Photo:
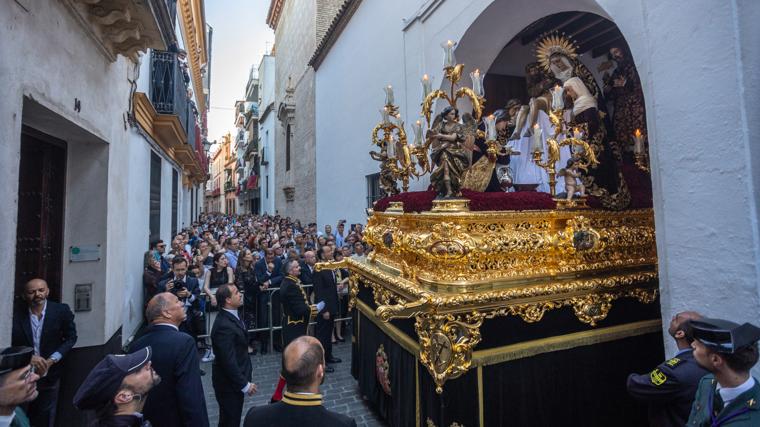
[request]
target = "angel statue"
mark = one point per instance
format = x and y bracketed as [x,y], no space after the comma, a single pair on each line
[387,179]
[449,141]
[573,181]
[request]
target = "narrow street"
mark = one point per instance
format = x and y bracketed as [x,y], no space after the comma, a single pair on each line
[340,390]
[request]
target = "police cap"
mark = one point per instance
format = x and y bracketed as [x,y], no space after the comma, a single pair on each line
[104,380]
[724,336]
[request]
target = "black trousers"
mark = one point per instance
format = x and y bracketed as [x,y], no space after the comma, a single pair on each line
[230,408]
[324,333]
[41,411]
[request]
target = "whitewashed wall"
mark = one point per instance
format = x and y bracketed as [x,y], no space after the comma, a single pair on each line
[697,66]
[267,132]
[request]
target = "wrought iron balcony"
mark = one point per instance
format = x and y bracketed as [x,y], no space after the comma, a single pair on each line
[168,91]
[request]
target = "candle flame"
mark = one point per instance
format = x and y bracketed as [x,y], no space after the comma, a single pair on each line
[425,77]
[536,126]
[637,134]
[418,122]
[449,43]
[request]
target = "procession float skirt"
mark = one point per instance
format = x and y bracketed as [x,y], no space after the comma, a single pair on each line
[491,318]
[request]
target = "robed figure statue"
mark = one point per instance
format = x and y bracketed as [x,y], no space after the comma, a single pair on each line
[451,158]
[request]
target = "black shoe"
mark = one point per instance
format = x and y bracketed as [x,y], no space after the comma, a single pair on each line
[333,360]
[329,369]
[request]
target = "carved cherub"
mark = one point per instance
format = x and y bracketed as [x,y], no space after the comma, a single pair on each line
[573,181]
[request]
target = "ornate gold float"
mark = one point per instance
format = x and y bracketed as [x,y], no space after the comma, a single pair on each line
[450,269]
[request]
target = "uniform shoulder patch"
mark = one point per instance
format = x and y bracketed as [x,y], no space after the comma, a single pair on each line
[657,377]
[674,362]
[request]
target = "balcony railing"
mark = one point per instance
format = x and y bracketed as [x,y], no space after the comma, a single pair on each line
[228,186]
[168,92]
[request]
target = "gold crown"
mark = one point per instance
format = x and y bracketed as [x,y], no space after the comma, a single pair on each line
[551,43]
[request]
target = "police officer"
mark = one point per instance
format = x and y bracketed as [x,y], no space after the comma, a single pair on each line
[117,388]
[729,395]
[669,388]
[296,310]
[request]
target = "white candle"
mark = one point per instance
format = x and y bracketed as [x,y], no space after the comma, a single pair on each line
[388,95]
[558,103]
[417,126]
[477,82]
[638,142]
[391,148]
[427,86]
[490,122]
[536,143]
[448,53]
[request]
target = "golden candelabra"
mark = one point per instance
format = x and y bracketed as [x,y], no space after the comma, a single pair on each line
[585,157]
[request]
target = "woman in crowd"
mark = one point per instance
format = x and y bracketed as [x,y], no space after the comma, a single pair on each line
[220,275]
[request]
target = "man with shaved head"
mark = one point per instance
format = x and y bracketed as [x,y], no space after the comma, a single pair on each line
[49,328]
[669,389]
[303,367]
[179,399]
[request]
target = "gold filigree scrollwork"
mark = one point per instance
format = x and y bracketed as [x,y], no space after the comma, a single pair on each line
[353,291]
[592,308]
[446,343]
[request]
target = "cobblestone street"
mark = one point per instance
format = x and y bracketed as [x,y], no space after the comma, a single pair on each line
[340,390]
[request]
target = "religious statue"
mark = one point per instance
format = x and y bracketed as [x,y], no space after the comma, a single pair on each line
[573,182]
[448,139]
[490,159]
[539,85]
[604,179]
[387,180]
[624,88]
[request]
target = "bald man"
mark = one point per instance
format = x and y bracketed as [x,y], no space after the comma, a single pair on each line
[669,389]
[179,399]
[303,367]
[49,328]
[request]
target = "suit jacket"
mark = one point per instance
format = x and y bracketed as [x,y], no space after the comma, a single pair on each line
[325,289]
[262,274]
[307,276]
[59,333]
[178,400]
[668,389]
[296,410]
[232,367]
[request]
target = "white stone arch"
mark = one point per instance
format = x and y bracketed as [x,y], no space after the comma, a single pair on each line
[695,67]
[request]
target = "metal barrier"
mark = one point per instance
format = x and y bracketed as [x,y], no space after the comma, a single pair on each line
[271,327]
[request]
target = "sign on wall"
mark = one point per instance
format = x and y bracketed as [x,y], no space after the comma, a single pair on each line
[83,253]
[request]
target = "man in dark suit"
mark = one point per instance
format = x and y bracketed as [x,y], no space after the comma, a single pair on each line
[326,290]
[188,290]
[296,310]
[179,399]
[268,278]
[231,372]
[669,389]
[49,328]
[307,271]
[304,370]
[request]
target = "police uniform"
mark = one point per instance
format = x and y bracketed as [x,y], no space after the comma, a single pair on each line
[709,409]
[296,410]
[296,311]
[668,389]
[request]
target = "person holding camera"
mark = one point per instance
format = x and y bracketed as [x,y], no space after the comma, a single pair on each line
[188,290]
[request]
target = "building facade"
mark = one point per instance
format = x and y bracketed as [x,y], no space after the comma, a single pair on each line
[89,177]
[266,135]
[707,234]
[298,26]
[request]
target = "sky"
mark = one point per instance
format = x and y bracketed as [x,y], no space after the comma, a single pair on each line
[241,36]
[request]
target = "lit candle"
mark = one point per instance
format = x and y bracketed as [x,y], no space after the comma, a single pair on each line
[490,122]
[448,53]
[427,86]
[388,95]
[417,126]
[536,143]
[577,133]
[638,142]
[477,82]
[558,103]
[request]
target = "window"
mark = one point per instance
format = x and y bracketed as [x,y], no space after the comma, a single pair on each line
[373,189]
[175,184]
[154,219]
[287,148]
[267,186]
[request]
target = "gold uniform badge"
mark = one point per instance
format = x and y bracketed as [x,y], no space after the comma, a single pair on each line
[657,377]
